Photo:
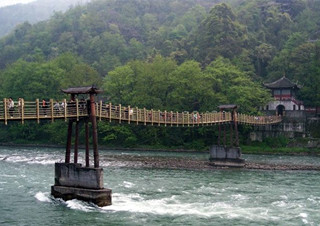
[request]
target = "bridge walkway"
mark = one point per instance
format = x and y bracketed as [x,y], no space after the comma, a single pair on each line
[64,110]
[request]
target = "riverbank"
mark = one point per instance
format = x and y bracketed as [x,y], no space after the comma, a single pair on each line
[246,149]
[191,160]
[280,151]
[133,161]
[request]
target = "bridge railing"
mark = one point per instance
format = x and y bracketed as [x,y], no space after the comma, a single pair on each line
[258,120]
[38,110]
[137,115]
[28,110]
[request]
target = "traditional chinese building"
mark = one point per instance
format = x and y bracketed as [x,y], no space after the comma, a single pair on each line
[284,93]
[284,103]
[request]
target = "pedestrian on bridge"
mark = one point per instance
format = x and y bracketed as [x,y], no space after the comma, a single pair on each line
[11,106]
[56,107]
[44,107]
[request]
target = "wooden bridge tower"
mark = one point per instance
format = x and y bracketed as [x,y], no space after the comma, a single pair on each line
[234,136]
[71,179]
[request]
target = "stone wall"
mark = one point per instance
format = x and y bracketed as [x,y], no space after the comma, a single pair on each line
[295,124]
[288,104]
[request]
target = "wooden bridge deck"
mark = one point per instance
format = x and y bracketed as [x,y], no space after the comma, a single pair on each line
[33,110]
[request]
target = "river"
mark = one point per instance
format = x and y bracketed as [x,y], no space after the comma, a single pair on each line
[144,196]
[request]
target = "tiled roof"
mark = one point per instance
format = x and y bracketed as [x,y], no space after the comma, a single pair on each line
[281,83]
[82,90]
[227,106]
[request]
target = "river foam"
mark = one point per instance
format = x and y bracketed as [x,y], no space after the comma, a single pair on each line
[172,206]
[43,197]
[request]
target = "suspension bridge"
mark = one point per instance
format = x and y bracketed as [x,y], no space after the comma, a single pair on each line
[79,109]
[86,183]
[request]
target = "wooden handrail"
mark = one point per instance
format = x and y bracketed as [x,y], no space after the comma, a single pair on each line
[28,110]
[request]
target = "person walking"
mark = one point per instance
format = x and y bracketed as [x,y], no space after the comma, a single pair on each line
[11,107]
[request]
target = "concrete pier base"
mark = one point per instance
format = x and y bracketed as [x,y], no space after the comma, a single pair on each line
[226,156]
[72,181]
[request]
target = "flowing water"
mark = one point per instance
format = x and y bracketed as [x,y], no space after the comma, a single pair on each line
[160,196]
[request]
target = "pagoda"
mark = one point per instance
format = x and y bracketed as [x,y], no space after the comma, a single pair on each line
[284,96]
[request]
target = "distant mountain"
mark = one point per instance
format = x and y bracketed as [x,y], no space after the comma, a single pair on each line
[33,12]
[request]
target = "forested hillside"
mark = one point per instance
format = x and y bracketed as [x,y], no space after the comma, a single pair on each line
[40,10]
[164,54]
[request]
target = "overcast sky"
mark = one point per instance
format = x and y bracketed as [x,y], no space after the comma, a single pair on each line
[13,2]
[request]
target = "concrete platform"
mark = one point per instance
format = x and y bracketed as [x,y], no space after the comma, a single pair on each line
[222,156]
[101,197]
[227,163]
[74,175]
[72,181]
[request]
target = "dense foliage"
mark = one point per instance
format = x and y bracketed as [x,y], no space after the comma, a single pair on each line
[179,55]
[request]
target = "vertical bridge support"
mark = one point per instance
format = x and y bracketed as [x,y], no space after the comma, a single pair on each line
[223,155]
[72,181]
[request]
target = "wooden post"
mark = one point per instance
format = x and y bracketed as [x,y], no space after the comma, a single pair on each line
[38,110]
[129,115]
[119,113]
[65,109]
[97,108]
[76,143]
[159,114]
[51,109]
[110,112]
[22,110]
[171,117]
[68,148]
[94,131]
[77,109]
[5,111]
[192,118]
[188,119]
[145,116]
[100,112]
[206,118]
[165,118]
[137,110]
[177,118]
[151,116]
[182,119]
[87,143]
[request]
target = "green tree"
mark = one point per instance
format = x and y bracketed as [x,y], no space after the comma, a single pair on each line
[234,86]
[81,75]
[32,80]
[219,34]
[119,85]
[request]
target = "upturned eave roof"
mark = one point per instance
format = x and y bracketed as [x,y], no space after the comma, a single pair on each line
[227,106]
[281,83]
[82,90]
